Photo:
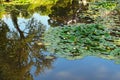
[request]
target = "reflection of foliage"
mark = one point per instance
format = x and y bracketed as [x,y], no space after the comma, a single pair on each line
[21,10]
[106,5]
[67,12]
[103,12]
[18,53]
[45,5]
[2,10]
[22,1]
[16,1]
[3,31]
[92,39]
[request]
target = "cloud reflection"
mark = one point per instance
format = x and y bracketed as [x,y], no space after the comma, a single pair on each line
[65,75]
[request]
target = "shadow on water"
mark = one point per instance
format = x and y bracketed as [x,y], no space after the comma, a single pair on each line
[69,14]
[22,55]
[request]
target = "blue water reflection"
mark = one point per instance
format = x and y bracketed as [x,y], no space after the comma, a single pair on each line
[22,21]
[43,19]
[88,68]
[26,56]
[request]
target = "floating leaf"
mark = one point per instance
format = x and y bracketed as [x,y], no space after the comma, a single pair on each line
[90,39]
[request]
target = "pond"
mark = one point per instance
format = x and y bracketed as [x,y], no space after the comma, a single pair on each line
[60,40]
[88,68]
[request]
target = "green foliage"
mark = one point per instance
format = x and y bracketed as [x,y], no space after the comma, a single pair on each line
[106,5]
[22,1]
[101,8]
[2,10]
[104,12]
[43,5]
[81,39]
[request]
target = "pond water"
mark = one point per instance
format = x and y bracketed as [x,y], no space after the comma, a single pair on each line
[23,56]
[88,68]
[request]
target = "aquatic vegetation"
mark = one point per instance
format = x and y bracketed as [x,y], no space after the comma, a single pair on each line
[81,39]
[101,9]
[107,5]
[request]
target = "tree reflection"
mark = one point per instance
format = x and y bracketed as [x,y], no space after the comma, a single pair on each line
[67,12]
[19,50]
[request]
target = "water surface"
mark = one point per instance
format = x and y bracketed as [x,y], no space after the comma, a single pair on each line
[88,68]
[21,48]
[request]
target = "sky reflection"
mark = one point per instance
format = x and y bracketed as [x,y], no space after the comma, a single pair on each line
[22,21]
[88,68]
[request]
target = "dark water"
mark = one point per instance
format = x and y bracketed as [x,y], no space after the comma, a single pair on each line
[21,58]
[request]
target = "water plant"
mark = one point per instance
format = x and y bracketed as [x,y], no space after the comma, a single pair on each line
[81,39]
